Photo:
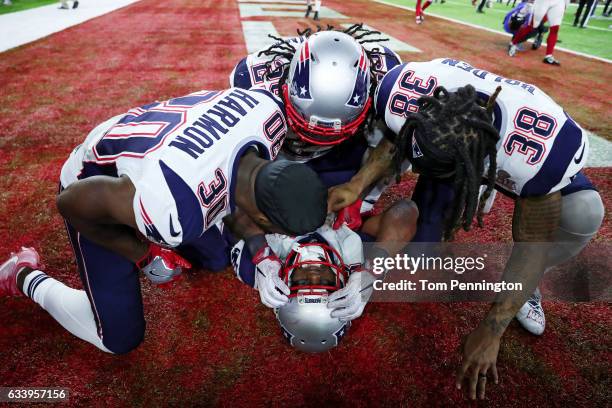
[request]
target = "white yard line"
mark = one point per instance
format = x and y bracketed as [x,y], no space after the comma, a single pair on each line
[23,27]
[491,30]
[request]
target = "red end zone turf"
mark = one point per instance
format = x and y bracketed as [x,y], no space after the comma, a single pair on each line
[209,341]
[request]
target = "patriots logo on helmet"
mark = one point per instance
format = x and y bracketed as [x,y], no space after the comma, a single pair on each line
[300,85]
[340,333]
[360,92]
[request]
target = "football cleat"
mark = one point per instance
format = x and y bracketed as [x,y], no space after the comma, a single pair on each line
[531,315]
[550,60]
[420,19]
[316,16]
[75,4]
[512,49]
[537,43]
[63,7]
[308,10]
[27,257]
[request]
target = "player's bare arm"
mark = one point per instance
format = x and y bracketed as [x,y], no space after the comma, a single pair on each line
[377,165]
[101,209]
[535,220]
[242,226]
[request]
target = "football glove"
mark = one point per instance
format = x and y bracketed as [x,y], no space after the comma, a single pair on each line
[348,303]
[272,290]
[162,265]
[351,216]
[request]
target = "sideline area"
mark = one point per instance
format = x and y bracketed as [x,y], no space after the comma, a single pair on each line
[23,27]
[592,42]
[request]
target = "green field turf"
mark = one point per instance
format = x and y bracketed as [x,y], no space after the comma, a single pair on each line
[595,40]
[19,5]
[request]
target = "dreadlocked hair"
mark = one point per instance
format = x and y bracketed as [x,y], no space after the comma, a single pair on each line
[282,51]
[454,133]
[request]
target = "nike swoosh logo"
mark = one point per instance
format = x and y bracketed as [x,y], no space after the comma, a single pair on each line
[579,159]
[172,231]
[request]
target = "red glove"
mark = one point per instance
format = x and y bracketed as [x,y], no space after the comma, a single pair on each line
[162,265]
[351,216]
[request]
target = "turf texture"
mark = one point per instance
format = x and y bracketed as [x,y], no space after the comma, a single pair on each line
[209,341]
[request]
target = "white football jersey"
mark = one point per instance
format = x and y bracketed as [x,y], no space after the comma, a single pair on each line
[540,148]
[181,155]
[344,240]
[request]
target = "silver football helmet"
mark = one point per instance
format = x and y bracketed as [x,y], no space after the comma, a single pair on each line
[305,321]
[327,89]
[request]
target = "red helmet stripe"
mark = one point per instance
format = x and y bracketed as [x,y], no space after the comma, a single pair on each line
[319,135]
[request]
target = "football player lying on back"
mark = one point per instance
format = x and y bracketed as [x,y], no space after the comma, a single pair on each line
[149,184]
[298,277]
[317,282]
[522,144]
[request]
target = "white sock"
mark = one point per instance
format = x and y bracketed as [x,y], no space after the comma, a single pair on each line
[317,5]
[70,307]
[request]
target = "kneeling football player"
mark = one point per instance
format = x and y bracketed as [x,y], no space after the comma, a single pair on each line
[147,186]
[507,135]
[326,81]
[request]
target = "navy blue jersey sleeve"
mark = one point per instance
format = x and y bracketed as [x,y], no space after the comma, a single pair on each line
[242,263]
[566,149]
[391,58]
[383,92]
[240,77]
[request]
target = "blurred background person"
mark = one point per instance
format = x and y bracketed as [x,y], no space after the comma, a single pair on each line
[520,16]
[64,4]
[587,11]
[551,10]
[317,8]
[419,11]
[606,11]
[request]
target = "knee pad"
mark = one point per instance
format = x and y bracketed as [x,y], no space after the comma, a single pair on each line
[582,212]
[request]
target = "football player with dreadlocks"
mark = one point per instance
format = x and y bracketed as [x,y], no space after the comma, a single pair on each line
[325,80]
[508,135]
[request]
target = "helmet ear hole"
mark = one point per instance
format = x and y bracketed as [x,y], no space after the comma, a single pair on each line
[302,341]
[323,341]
